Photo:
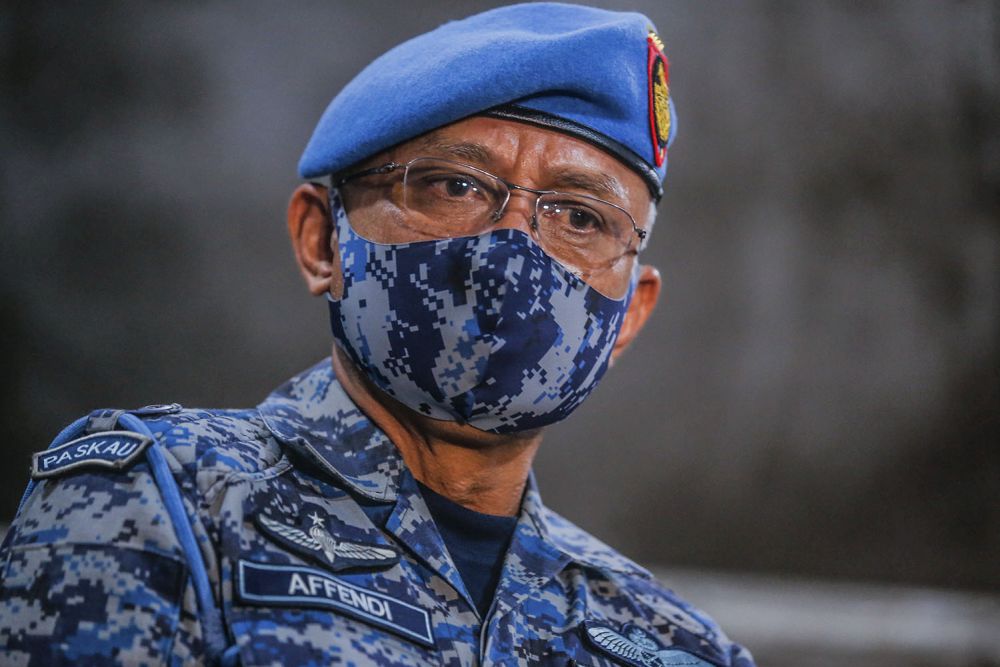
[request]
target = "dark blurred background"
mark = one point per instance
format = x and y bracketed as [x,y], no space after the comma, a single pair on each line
[818,394]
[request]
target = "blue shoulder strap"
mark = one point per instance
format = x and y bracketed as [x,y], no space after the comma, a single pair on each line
[211,617]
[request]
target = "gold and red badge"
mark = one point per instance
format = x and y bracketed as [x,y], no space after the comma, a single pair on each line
[659,98]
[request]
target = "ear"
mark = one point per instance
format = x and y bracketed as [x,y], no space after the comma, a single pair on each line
[641,307]
[314,240]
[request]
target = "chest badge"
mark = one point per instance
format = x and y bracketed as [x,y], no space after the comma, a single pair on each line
[637,648]
[317,543]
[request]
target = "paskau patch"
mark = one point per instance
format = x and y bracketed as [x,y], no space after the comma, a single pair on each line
[111,450]
[298,586]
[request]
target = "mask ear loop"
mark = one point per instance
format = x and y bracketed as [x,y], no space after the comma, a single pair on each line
[633,283]
[342,226]
[336,203]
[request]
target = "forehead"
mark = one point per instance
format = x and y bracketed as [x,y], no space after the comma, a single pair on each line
[532,155]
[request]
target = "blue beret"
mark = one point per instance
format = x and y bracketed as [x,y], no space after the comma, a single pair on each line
[591,73]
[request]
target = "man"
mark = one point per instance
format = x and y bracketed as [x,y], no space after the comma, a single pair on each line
[491,185]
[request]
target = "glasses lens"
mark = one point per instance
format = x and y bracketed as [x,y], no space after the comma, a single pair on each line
[453,199]
[583,232]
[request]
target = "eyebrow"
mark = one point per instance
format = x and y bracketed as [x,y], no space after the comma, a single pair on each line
[594,183]
[467,150]
[601,185]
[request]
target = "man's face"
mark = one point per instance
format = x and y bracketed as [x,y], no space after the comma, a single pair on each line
[519,153]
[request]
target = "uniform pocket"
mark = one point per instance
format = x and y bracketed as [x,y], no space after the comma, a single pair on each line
[85,604]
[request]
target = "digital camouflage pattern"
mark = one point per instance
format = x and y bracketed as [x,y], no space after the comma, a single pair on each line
[486,330]
[320,550]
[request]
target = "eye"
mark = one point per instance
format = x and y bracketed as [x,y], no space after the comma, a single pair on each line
[449,187]
[574,218]
[583,219]
[459,186]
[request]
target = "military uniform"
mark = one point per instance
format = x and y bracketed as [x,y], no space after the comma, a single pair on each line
[317,548]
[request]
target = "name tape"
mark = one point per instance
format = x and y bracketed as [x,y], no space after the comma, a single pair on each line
[299,586]
[113,450]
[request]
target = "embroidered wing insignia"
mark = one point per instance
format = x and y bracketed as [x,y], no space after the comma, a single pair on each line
[363,551]
[616,644]
[639,648]
[291,534]
[319,544]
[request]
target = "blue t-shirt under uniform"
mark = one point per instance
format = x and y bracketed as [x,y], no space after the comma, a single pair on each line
[477,543]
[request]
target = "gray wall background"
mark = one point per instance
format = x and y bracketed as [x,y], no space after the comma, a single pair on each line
[818,393]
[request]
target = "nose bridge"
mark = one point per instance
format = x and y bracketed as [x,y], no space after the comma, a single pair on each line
[518,212]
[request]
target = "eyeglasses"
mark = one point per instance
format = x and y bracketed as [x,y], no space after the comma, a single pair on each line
[452,199]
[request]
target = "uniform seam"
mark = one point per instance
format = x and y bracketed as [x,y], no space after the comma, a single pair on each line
[6,563]
[227,472]
[192,475]
[596,563]
[282,466]
[236,439]
[93,543]
[181,595]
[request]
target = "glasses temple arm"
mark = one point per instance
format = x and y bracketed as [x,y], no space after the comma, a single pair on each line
[383,169]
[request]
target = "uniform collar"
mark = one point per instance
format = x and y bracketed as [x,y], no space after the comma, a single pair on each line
[313,416]
[579,545]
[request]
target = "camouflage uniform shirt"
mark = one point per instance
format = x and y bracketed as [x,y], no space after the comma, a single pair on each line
[319,550]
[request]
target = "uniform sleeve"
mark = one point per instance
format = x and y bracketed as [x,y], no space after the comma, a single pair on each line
[740,657]
[92,574]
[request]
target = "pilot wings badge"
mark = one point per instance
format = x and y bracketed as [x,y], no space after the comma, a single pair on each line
[323,547]
[638,648]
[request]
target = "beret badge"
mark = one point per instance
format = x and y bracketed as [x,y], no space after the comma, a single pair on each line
[659,97]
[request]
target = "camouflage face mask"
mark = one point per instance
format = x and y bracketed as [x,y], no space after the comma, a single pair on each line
[485,330]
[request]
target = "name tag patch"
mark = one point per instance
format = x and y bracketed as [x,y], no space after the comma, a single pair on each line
[298,586]
[114,450]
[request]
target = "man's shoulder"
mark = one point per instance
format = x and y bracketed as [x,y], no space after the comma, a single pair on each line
[587,549]
[227,441]
[108,476]
[635,588]
[200,448]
